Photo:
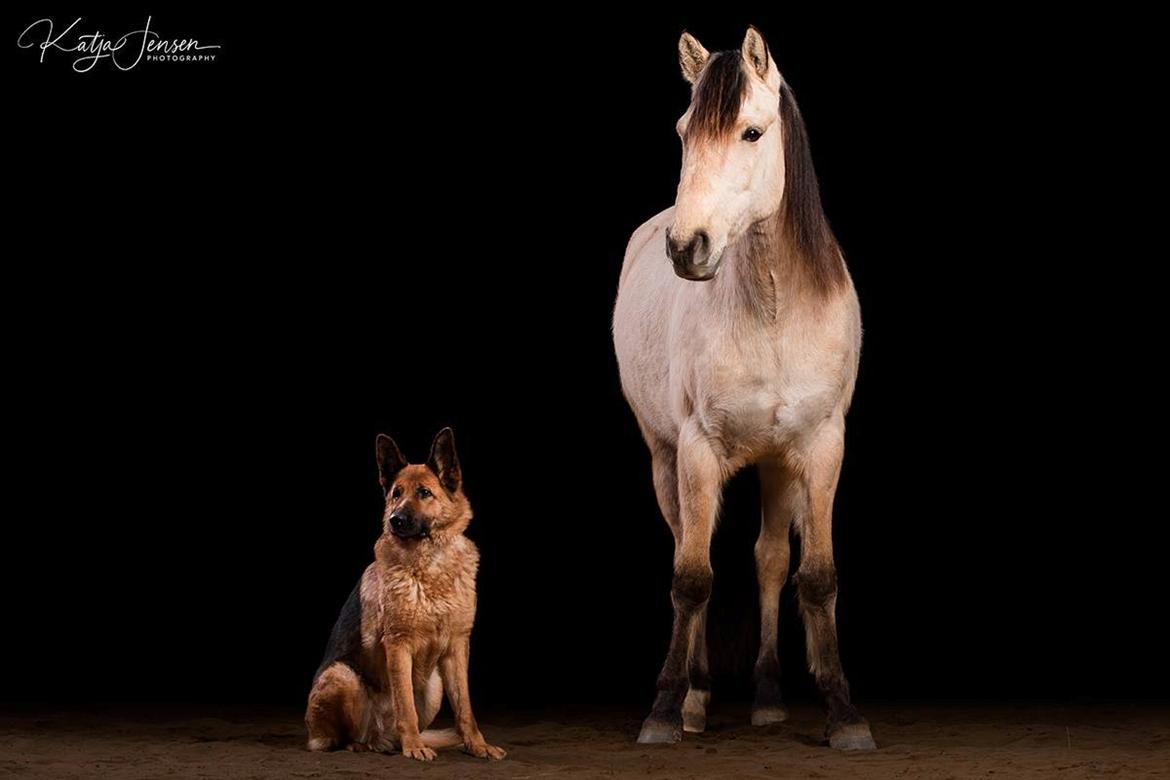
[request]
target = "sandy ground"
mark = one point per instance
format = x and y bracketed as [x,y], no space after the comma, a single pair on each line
[933,741]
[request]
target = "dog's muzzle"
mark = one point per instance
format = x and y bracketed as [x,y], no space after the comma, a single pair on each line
[406,526]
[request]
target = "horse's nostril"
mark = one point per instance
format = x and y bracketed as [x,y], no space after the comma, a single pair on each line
[685,253]
[681,252]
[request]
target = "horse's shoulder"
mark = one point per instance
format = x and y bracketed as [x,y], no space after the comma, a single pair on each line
[655,226]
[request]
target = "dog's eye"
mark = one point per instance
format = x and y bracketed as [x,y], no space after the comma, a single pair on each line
[424,493]
[752,134]
[396,493]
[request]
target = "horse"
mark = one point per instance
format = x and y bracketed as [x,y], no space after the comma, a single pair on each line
[738,333]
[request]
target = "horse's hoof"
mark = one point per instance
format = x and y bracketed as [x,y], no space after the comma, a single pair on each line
[854,736]
[659,732]
[693,722]
[766,716]
[694,711]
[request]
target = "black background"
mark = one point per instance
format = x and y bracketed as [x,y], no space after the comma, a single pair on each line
[225,279]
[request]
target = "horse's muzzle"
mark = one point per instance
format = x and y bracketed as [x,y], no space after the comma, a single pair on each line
[692,260]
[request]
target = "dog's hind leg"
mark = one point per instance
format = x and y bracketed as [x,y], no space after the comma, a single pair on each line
[428,700]
[339,709]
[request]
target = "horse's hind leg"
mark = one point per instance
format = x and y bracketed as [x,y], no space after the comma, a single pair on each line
[816,584]
[779,494]
[700,477]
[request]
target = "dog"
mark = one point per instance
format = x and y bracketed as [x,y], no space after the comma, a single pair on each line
[402,637]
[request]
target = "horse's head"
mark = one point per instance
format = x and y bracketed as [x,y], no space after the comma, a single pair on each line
[733,156]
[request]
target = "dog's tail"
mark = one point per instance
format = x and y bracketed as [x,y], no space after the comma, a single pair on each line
[440,738]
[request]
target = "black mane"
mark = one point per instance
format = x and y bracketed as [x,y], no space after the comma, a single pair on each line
[715,107]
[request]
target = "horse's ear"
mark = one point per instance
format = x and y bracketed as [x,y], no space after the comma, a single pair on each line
[390,460]
[755,52]
[692,57]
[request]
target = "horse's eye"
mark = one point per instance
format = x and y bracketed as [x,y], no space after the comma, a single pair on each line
[752,134]
[424,493]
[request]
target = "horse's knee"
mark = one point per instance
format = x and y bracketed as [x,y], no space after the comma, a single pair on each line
[691,586]
[817,586]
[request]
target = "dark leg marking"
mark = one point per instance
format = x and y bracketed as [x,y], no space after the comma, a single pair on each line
[694,709]
[690,590]
[767,679]
[845,728]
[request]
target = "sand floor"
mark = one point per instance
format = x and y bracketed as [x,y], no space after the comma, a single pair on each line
[927,741]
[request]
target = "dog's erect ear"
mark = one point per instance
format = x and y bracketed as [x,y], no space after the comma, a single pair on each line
[692,57]
[443,460]
[390,461]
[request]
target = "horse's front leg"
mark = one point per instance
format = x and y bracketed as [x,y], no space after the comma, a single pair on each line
[816,585]
[700,478]
[694,709]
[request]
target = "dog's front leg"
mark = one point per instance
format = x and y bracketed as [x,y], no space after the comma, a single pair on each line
[400,664]
[453,670]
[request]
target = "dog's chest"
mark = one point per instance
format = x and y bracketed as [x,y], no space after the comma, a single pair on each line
[429,602]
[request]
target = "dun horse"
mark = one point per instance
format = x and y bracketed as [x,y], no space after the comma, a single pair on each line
[738,332]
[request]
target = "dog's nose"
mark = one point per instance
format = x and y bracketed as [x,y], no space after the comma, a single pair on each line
[684,254]
[399,522]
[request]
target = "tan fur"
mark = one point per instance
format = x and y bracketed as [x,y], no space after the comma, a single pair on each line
[418,605]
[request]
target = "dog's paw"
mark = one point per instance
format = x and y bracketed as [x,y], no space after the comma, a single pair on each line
[382,745]
[420,753]
[484,750]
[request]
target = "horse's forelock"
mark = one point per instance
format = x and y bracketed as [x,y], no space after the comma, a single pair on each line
[715,107]
[718,96]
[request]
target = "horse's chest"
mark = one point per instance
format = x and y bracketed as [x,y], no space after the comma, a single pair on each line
[755,403]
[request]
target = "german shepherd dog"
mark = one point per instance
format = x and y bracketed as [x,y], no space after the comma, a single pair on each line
[403,635]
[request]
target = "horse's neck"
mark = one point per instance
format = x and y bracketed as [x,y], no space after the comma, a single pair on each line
[765,280]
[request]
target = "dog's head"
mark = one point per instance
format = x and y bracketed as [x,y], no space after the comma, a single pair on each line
[422,501]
